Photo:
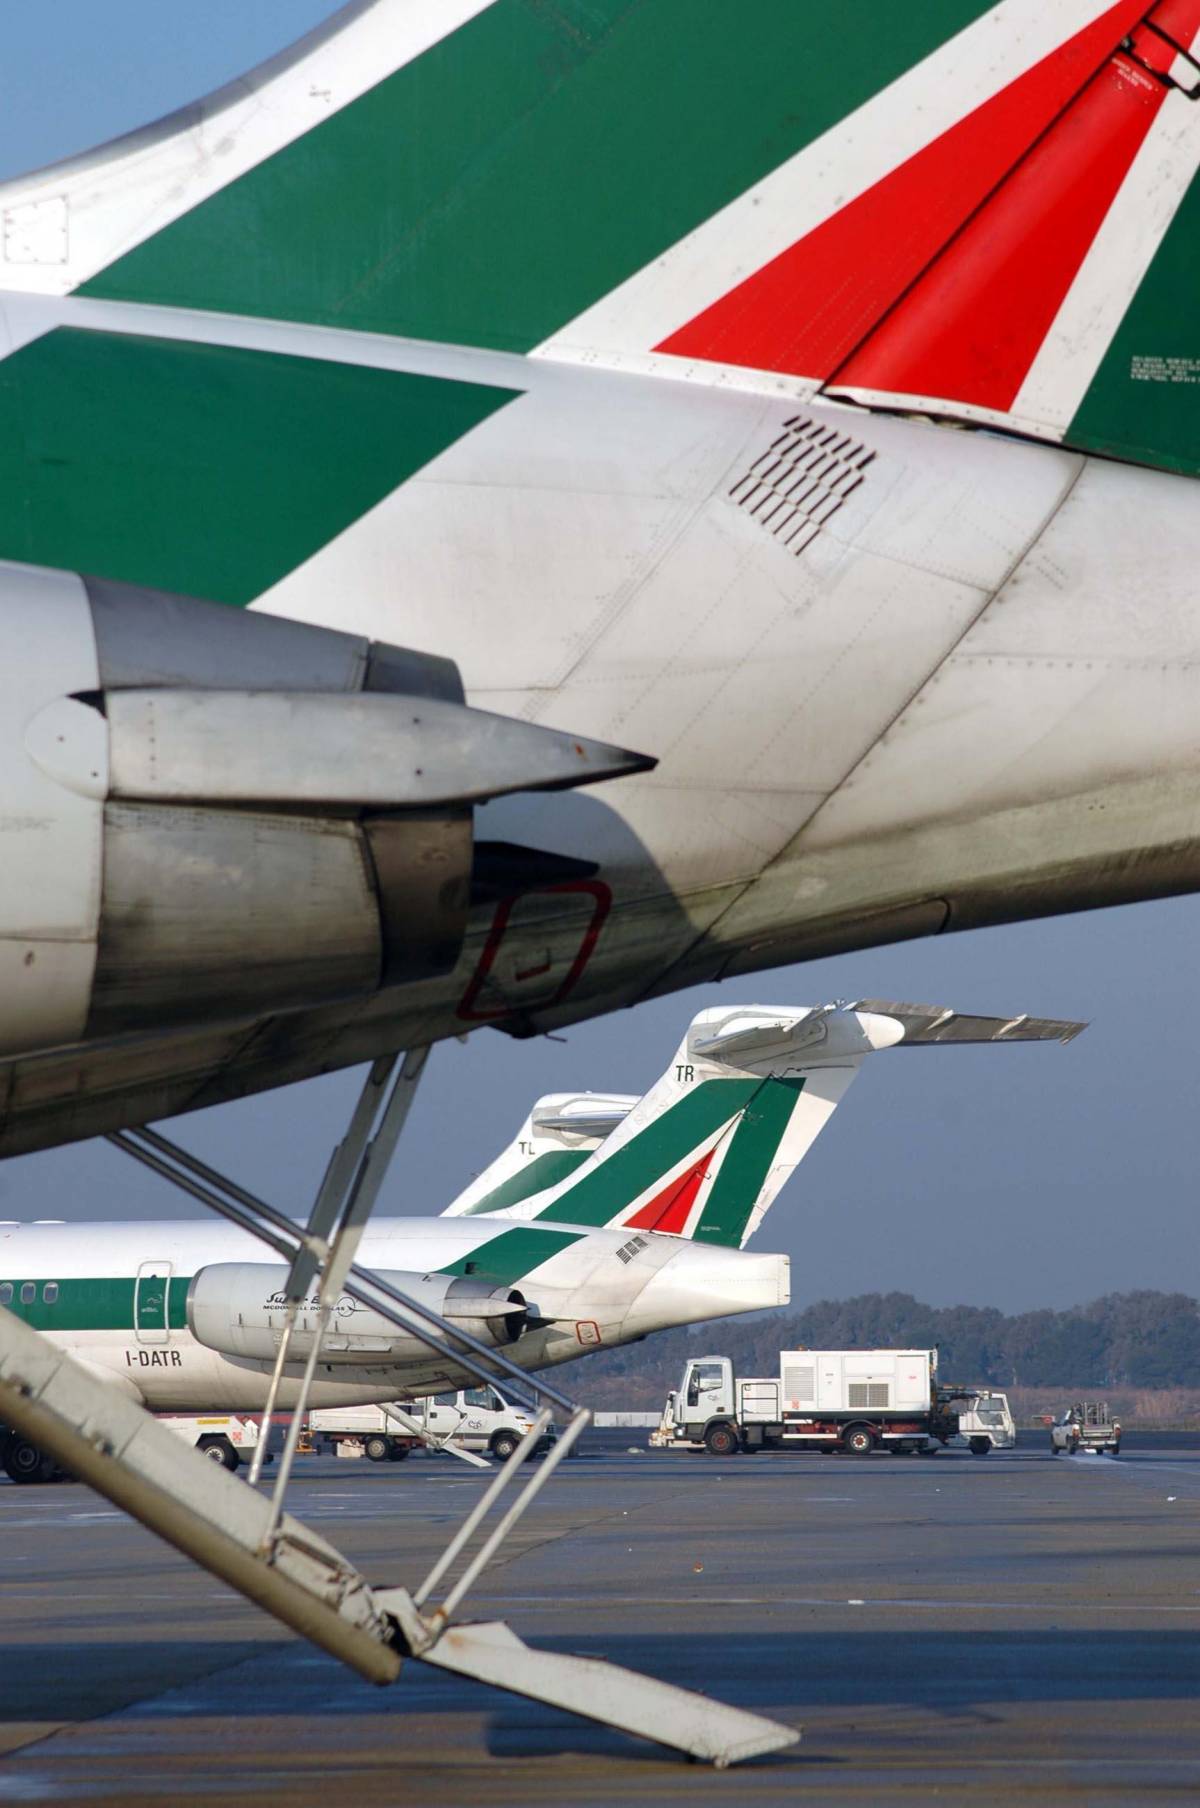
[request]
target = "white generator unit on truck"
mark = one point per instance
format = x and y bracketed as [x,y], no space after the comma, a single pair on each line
[851,1400]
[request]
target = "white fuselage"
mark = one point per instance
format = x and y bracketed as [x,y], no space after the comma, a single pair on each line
[106,1282]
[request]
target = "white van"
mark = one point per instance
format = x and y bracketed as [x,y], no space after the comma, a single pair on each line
[480,1418]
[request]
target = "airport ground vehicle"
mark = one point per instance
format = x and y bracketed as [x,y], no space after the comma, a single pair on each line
[986,1422]
[473,1418]
[1088,1425]
[369,1431]
[224,1437]
[851,1400]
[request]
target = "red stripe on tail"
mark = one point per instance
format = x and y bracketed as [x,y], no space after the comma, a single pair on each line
[809,309]
[668,1210]
[974,324]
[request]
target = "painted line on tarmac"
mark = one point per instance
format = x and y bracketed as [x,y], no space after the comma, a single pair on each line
[706,1601]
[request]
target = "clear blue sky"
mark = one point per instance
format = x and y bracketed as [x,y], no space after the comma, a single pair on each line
[1013,1177]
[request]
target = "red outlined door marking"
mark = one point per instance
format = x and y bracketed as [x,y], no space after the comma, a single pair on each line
[538,949]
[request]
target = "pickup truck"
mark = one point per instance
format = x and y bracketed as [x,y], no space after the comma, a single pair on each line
[1088,1425]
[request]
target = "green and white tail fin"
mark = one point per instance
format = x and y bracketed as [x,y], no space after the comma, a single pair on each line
[988,213]
[707,1150]
[556,1138]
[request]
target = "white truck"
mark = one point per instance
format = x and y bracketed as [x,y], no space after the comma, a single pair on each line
[1088,1425]
[986,1422]
[475,1419]
[850,1400]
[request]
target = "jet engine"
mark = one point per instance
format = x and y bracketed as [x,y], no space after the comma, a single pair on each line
[239,1309]
[211,812]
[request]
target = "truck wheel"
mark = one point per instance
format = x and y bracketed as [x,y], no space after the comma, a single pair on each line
[721,1440]
[219,1450]
[981,1446]
[503,1445]
[379,1449]
[399,1451]
[859,1440]
[24,1462]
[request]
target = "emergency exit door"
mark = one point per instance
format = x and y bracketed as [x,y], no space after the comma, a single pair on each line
[150,1302]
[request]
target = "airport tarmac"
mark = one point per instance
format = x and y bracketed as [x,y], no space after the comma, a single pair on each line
[1012,1629]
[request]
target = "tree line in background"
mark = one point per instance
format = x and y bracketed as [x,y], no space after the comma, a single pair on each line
[1141,1340]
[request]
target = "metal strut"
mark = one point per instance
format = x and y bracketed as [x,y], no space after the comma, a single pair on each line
[252,1543]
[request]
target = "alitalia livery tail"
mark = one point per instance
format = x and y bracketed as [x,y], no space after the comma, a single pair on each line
[988,210]
[556,1138]
[704,1154]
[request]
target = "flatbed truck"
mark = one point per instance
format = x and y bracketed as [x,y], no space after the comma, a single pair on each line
[472,1420]
[850,1400]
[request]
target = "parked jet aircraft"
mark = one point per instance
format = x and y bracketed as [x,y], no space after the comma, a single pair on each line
[609,1218]
[596,353]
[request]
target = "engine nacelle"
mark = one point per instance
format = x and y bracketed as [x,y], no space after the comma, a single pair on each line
[239,1309]
[214,813]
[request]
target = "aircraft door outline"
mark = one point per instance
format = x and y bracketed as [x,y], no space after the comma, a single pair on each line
[151,1294]
[470,1010]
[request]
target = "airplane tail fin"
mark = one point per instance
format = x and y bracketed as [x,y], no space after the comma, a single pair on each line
[705,1153]
[989,211]
[556,1138]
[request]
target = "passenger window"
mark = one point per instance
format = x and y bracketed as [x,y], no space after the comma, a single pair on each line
[28,1293]
[50,1293]
[444,1399]
[478,1396]
[5,1293]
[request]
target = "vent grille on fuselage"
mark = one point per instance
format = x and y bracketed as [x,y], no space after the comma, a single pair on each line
[801,481]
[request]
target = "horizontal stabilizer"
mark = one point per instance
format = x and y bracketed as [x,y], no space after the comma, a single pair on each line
[591,1115]
[926,1023]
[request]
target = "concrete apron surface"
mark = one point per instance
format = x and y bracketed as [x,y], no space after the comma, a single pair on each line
[1014,1629]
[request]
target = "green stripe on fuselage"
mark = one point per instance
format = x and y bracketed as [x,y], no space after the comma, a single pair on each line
[99,1303]
[542,1172]
[511,1255]
[208,470]
[613,1184]
[527,164]
[755,1146]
